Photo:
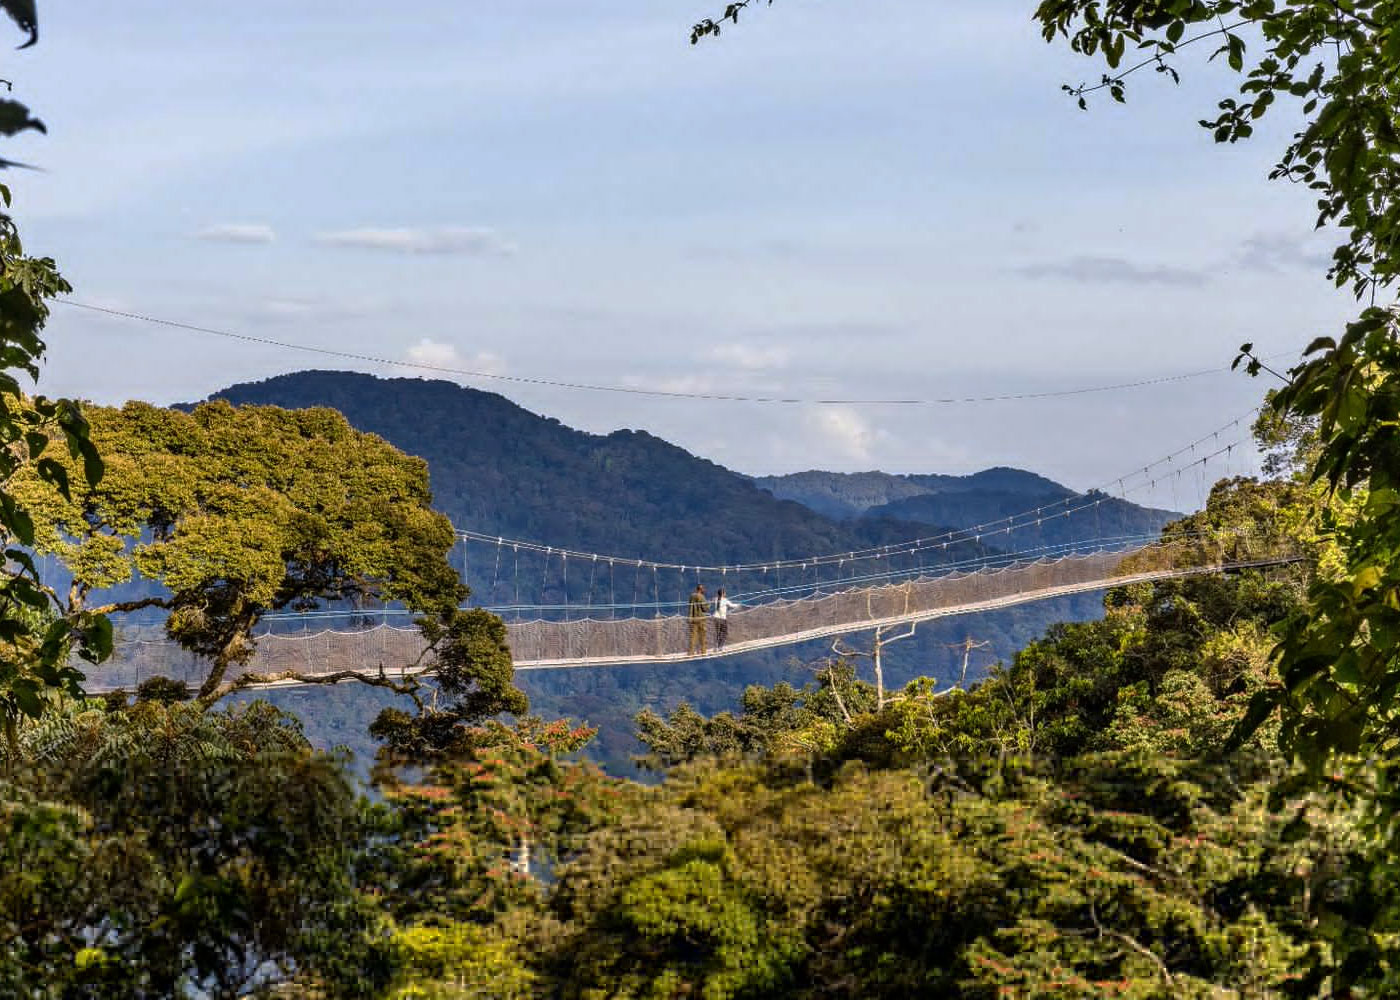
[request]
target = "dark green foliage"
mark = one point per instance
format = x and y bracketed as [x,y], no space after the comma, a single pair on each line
[161,851]
[501,470]
[164,690]
[1121,876]
[37,637]
[1333,67]
[773,721]
[712,26]
[237,512]
[474,681]
[467,830]
[14,116]
[25,14]
[1066,828]
[1340,660]
[474,666]
[1169,667]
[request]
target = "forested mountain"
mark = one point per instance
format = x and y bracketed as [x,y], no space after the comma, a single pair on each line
[847,495]
[1110,518]
[965,501]
[497,468]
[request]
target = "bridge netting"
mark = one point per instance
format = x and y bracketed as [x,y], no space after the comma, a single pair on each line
[665,636]
[578,608]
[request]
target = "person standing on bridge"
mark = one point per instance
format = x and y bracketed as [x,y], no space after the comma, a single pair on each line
[723,606]
[698,611]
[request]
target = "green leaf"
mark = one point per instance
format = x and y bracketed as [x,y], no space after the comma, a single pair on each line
[26,695]
[88,958]
[23,559]
[53,472]
[1261,707]
[25,14]
[1367,578]
[1236,55]
[97,642]
[19,523]
[15,118]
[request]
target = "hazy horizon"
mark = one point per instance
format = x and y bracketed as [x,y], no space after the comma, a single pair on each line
[573,192]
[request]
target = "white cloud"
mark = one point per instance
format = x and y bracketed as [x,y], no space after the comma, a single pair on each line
[442,355]
[467,241]
[724,385]
[1115,270]
[843,431]
[288,309]
[749,357]
[238,232]
[686,385]
[1272,253]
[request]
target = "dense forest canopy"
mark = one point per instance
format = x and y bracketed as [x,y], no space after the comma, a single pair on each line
[1169,801]
[1068,825]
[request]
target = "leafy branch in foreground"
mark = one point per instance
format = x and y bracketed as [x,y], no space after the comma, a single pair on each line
[36,635]
[711,26]
[25,14]
[14,116]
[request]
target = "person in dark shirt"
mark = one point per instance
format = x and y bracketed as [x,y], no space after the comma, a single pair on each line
[697,614]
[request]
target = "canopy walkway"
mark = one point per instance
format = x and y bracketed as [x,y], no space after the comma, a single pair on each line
[613,609]
[663,637]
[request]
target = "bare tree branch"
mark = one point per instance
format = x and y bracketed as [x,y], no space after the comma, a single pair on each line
[123,607]
[1132,943]
[408,686]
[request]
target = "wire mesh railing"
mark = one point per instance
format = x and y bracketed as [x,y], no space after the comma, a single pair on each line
[662,637]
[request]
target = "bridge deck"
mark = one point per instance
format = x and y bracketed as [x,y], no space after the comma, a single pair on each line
[543,645]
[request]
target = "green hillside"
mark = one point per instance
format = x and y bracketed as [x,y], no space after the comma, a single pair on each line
[500,469]
[965,501]
[847,495]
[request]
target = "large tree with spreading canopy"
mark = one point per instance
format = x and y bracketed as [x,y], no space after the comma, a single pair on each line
[235,512]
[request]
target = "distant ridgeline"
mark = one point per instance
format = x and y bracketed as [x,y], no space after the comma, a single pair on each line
[963,501]
[501,470]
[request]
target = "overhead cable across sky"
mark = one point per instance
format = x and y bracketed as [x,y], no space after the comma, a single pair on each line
[639,390]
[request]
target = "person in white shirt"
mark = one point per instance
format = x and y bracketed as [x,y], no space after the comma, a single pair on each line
[723,606]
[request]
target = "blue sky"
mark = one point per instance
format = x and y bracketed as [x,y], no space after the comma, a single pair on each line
[890,198]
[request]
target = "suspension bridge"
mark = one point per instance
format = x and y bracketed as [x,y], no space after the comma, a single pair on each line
[616,610]
[557,620]
[543,643]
